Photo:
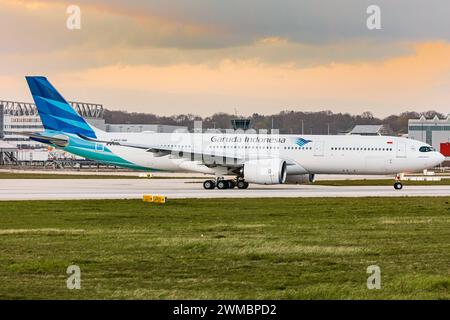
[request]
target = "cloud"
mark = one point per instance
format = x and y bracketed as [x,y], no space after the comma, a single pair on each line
[208,24]
[265,51]
[162,32]
[416,81]
[41,26]
[212,55]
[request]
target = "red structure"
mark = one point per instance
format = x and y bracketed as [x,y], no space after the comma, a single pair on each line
[445,149]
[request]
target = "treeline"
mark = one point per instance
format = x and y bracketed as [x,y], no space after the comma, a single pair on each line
[322,122]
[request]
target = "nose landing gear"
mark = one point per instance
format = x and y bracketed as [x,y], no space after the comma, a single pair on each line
[398,185]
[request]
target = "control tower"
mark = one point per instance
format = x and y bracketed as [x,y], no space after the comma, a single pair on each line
[240,124]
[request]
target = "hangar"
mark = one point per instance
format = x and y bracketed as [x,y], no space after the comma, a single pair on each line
[17,117]
[435,132]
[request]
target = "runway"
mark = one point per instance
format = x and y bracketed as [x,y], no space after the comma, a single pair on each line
[71,189]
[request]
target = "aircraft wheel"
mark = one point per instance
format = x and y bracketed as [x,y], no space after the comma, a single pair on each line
[209,184]
[241,184]
[231,184]
[398,186]
[222,185]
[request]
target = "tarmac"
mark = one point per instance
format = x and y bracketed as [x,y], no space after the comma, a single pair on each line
[79,189]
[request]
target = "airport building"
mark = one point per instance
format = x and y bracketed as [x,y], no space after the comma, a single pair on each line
[18,117]
[435,132]
[372,130]
[142,128]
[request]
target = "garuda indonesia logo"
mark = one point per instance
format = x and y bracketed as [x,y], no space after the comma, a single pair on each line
[301,142]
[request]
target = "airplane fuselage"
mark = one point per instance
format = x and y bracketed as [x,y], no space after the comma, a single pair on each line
[211,152]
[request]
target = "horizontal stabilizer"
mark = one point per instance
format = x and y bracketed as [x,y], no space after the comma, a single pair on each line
[59,140]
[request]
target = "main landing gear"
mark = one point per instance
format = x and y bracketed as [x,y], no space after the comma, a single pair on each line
[223,184]
[398,185]
[209,184]
[242,184]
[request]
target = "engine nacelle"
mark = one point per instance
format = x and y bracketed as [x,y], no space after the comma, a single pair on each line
[265,171]
[300,179]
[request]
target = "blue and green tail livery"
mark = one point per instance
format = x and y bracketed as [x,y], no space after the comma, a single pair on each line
[56,114]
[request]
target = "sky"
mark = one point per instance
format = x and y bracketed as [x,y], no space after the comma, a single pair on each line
[245,56]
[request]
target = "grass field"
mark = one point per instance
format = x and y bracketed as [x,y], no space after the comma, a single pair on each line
[227,248]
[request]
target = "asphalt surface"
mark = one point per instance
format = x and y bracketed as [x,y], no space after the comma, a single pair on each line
[68,189]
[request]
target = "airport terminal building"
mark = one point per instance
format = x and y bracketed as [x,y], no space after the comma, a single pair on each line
[18,117]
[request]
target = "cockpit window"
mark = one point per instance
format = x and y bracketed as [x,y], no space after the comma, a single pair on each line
[425,149]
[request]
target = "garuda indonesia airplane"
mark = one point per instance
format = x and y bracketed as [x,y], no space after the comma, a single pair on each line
[250,157]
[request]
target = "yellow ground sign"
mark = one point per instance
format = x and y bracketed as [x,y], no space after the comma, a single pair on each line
[154,198]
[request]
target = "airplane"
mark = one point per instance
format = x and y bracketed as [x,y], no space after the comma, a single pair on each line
[248,156]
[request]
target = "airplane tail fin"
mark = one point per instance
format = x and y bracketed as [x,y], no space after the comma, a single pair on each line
[56,114]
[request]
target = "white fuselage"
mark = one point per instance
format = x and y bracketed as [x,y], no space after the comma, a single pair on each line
[217,153]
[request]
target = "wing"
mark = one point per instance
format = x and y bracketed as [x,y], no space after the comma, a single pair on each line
[211,158]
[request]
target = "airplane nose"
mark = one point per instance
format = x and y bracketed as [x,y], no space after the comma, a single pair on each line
[439,158]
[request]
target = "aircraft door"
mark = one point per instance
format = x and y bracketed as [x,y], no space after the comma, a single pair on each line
[319,148]
[99,147]
[401,149]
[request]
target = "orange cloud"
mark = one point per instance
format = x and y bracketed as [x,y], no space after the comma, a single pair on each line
[419,80]
[27,4]
[131,20]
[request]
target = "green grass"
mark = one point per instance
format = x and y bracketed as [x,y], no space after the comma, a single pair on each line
[226,248]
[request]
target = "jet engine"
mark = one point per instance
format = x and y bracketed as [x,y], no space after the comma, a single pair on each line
[265,171]
[300,179]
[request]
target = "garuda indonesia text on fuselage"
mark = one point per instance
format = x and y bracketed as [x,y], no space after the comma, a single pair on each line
[251,158]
